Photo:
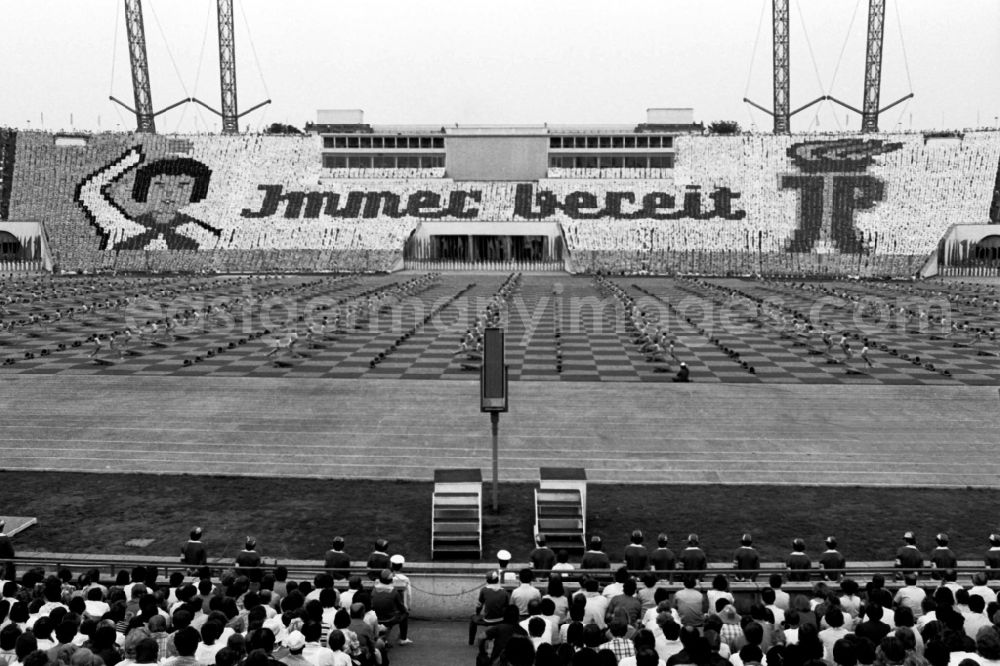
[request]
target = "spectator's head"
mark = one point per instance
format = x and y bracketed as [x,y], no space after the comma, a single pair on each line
[336,640]
[636,537]
[295,642]
[555,587]
[844,653]
[396,562]
[891,650]
[903,616]
[798,545]
[227,656]
[147,651]
[937,653]
[751,654]
[746,540]
[874,612]
[592,636]
[25,644]
[536,627]
[988,643]
[526,575]
[671,630]
[662,540]
[186,641]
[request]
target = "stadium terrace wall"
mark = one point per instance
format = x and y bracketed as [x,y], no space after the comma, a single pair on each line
[801,204]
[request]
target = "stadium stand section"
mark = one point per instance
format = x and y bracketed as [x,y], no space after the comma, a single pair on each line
[876,205]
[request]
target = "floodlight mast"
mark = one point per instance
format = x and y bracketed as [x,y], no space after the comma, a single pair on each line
[145,117]
[227,68]
[227,73]
[781,78]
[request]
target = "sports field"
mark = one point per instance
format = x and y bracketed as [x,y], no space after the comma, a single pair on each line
[285,446]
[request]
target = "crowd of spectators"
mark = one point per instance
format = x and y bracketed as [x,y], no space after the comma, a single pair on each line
[250,616]
[636,618]
[893,204]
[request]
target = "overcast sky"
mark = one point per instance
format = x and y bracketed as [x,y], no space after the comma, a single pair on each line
[506,62]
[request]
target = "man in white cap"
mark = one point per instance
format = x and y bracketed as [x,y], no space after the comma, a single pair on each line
[506,577]
[295,642]
[387,602]
[683,373]
[401,582]
[6,554]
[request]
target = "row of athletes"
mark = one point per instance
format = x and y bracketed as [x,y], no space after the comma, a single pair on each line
[199,320]
[746,559]
[471,344]
[647,335]
[865,307]
[349,315]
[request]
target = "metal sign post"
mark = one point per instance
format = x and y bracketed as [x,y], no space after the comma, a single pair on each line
[493,393]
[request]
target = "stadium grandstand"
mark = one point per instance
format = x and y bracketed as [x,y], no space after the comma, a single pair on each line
[751,379]
[657,198]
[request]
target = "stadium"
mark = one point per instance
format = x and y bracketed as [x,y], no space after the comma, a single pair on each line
[704,335]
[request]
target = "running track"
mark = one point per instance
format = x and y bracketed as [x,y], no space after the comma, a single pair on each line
[404,429]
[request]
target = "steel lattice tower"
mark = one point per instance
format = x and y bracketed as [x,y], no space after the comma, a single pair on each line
[140,70]
[873,66]
[227,68]
[782,86]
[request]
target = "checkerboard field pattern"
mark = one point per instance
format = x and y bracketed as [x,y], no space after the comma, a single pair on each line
[558,328]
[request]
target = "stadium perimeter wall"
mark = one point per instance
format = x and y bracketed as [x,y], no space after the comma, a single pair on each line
[449,591]
[798,205]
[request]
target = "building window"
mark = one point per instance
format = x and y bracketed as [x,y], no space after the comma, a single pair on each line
[340,142]
[439,142]
[630,142]
[334,161]
[328,142]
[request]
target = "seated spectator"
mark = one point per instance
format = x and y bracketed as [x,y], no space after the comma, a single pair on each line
[636,555]
[525,592]
[798,562]
[595,557]
[874,629]
[627,602]
[835,631]
[690,604]
[556,593]
[976,619]
[542,557]
[491,606]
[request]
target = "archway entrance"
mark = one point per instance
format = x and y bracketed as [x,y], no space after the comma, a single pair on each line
[10,247]
[987,249]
